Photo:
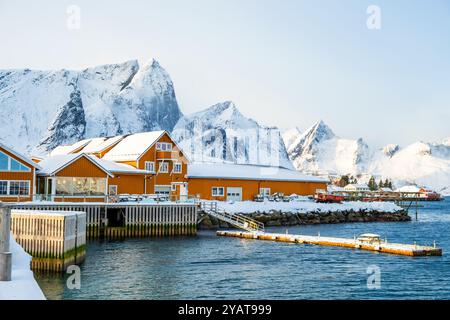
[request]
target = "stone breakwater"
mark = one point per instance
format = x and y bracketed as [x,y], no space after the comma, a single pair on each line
[278,218]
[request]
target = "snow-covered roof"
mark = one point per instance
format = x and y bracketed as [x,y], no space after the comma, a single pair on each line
[133,146]
[19,155]
[334,188]
[100,144]
[53,164]
[408,189]
[356,186]
[68,149]
[115,167]
[247,172]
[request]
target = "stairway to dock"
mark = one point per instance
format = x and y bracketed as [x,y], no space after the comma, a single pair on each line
[237,220]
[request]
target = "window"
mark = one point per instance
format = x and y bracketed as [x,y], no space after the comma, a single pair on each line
[163,190]
[9,164]
[64,186]
[80,186]
[17,166]
[174,187]
[218,191]
[19,188]
[150,166]
[3,187]
[163,146]
[164,167]
[4,162]
[112,190]
[265,192]
[177,167]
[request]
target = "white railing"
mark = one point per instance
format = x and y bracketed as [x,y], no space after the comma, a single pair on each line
[237,220]
[137,198]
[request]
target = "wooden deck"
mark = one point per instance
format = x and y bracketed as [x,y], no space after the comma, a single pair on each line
[382,247]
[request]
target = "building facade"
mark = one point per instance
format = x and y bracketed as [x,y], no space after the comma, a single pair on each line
[233,182]
[17,176]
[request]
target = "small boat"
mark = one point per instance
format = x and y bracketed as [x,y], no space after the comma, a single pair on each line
[369,238]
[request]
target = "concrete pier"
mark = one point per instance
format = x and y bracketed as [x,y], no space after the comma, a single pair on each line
[381,246]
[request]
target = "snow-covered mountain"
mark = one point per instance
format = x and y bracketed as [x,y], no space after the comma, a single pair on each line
[318,150]
[221,133]
[42,109]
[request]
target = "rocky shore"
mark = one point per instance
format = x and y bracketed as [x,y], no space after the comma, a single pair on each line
[278,218]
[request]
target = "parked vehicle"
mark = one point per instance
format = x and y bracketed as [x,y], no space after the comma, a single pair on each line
[328,198]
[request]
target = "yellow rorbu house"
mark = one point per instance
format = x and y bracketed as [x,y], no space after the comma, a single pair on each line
[136,164]
[84,177]
[235,182]
[147,163]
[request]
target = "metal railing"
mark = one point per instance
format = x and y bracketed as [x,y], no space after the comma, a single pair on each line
[237,220]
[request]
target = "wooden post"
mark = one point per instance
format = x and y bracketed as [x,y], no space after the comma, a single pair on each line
[5,254]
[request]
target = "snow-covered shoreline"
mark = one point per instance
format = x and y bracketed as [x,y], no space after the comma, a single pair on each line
[274,214]
[246,207]
[23,285]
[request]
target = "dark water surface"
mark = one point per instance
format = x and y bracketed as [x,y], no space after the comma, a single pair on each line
[211,267]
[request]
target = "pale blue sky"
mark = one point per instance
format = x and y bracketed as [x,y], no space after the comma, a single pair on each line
[284,63]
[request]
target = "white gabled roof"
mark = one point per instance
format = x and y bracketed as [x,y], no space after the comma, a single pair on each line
[115,167]
[247,172]
[52,165]
[20,156]
[65,150]
[100,144]
[133,146]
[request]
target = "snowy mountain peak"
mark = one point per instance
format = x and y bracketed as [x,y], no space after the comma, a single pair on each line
[321,131]
[221,133]
[446,142]
[38,106]
[290,135]
[390,150]
[228,108]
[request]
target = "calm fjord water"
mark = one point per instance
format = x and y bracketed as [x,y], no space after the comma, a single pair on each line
[211,267]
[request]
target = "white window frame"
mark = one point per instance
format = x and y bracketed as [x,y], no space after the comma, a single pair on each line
[263,192]
[8,188]
[177,165]
[151,164]
[164,146]
[218,194]
[173,187]
[113,186]
[160,166]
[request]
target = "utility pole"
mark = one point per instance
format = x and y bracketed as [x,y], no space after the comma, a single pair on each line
[5,254]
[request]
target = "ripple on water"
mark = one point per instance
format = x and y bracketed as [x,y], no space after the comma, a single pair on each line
[210,267]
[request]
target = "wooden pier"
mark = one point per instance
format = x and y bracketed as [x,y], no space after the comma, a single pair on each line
[129,220]
[381,246]
[54,239]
